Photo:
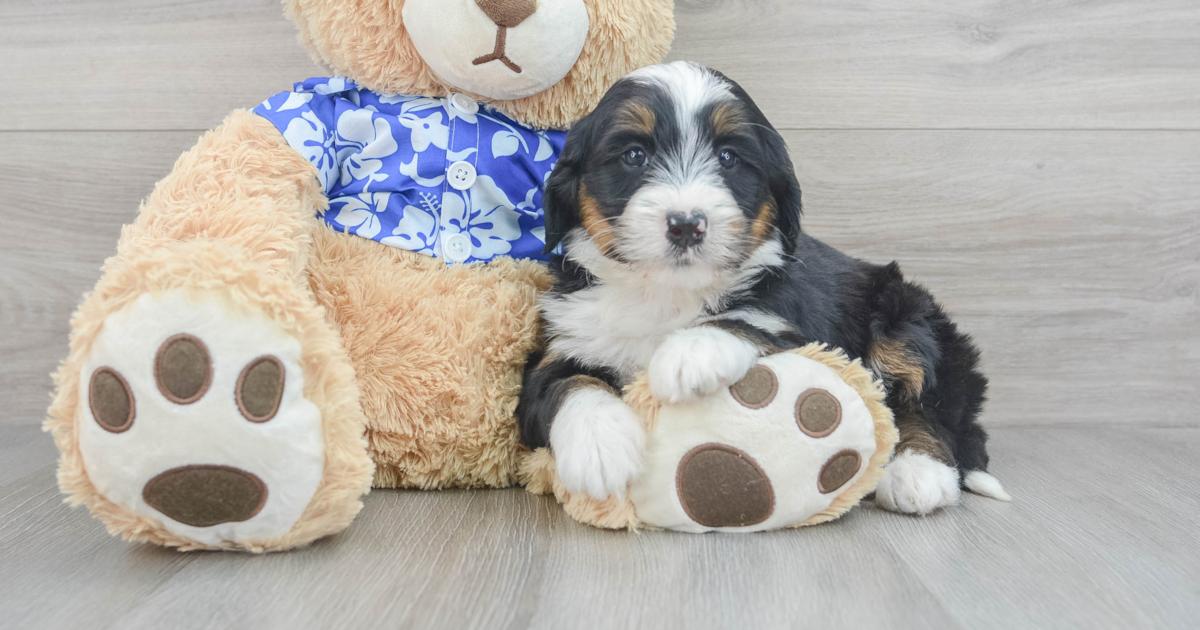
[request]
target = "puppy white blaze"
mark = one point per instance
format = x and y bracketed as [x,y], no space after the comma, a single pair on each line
[643,235]
[689,85]
[684,176]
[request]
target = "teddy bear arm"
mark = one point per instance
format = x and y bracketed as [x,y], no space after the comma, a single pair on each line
[240,184]
[203,342]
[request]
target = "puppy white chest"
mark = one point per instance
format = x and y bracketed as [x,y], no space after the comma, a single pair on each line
[616,326]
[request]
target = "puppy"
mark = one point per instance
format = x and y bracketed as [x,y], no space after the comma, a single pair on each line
[678,210]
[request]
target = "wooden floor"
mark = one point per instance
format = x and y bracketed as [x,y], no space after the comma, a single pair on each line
[1036,164]
[1102,534]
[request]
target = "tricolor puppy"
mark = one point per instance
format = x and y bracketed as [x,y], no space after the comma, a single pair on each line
[679,214]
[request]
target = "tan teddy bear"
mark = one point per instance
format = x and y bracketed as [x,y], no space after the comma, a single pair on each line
[338,286]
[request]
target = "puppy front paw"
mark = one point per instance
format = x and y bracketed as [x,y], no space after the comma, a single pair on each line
[917,484]
[597,442]
[695,362]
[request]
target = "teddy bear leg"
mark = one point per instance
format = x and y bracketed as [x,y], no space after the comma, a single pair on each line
[438,352]
[207,401]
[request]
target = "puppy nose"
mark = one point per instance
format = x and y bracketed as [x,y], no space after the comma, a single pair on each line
[507,13]
[686,230]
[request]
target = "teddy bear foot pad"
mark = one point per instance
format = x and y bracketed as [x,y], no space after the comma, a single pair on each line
[770,451]
[799,440]
[196,418]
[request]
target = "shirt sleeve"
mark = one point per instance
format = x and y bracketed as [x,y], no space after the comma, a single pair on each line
[306,121]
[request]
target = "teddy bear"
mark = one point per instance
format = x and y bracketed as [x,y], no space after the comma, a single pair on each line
[337,288]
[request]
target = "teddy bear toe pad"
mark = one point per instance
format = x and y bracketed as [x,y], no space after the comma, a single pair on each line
[196,418]
[771,450]
[720,486]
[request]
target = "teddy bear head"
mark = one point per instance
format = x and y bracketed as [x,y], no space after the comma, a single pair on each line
[543,62]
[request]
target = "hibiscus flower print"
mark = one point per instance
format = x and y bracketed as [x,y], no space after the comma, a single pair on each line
[417,229]
[382,161]
[312,140]
[427,131]
[363,141]
[485,214]
[360,213]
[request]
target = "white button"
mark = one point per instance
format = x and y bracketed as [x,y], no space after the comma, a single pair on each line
[456,247]
[464,103]
[461,175]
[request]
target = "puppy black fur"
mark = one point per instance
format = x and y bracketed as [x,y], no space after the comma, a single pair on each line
[930,368]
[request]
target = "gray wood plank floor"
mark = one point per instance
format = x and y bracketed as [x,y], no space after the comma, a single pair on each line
[1036,164]
[1102,534]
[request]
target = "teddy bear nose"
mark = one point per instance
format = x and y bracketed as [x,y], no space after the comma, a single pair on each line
[507,13]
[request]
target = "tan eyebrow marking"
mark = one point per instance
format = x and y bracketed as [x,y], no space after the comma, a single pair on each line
[726,119]
[638,117]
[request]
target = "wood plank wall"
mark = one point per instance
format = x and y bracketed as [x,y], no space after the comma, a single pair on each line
[1036,163]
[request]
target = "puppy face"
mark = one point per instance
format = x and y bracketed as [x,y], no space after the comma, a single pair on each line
[676,174]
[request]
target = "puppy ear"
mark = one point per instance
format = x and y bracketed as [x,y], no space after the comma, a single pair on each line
[561,201]
[781,175]
[784,186]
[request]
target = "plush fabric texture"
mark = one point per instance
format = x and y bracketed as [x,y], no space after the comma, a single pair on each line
[438,351]
[539,474]
[389,164]
[285,457]
[366,40]
[233,219]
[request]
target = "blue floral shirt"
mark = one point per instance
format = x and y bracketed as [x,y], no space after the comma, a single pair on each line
[439,176]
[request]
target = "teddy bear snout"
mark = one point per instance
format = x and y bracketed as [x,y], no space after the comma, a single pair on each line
[507,13]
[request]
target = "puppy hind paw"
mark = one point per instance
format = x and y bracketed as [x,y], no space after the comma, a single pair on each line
[597,442]
[917,484]
[695,362]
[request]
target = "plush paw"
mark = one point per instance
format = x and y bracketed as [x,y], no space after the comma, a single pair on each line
[695,362]
[196,417]
[597,442]
[775,449]
[917,484]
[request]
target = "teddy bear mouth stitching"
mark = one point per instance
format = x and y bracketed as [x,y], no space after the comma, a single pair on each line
[505,14]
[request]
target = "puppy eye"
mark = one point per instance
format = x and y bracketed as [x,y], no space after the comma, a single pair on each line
[635,157]
[728,158]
